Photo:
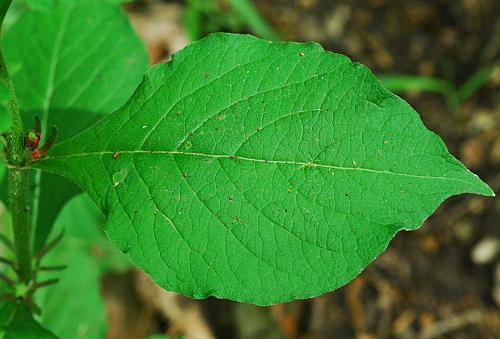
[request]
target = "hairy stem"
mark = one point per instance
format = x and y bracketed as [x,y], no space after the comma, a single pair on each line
[18,190]
[18,181]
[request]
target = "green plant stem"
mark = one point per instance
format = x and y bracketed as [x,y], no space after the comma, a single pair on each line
[18,182]
[18,179]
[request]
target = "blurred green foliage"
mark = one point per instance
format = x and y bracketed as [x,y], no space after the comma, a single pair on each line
[16,322]
[207,16]
[73,308]
[455,95]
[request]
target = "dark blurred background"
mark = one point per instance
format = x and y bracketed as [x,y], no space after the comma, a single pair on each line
[441,281]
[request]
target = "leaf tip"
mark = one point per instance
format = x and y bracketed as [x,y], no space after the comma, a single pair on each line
[487,191]
[480,187]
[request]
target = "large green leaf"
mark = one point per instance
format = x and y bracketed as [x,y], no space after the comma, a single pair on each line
[260,171]
[79,59]
[16,322]
[87,254]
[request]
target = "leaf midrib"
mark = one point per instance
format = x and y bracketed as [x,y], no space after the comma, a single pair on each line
[46,107]
[256,160]
[53,68]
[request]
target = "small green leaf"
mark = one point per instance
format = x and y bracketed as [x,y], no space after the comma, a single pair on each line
[260,171]
[79,60]
[16,322]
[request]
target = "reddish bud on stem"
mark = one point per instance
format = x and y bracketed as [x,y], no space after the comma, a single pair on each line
[32,140]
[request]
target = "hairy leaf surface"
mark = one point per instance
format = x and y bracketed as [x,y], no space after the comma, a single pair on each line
[260,171]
